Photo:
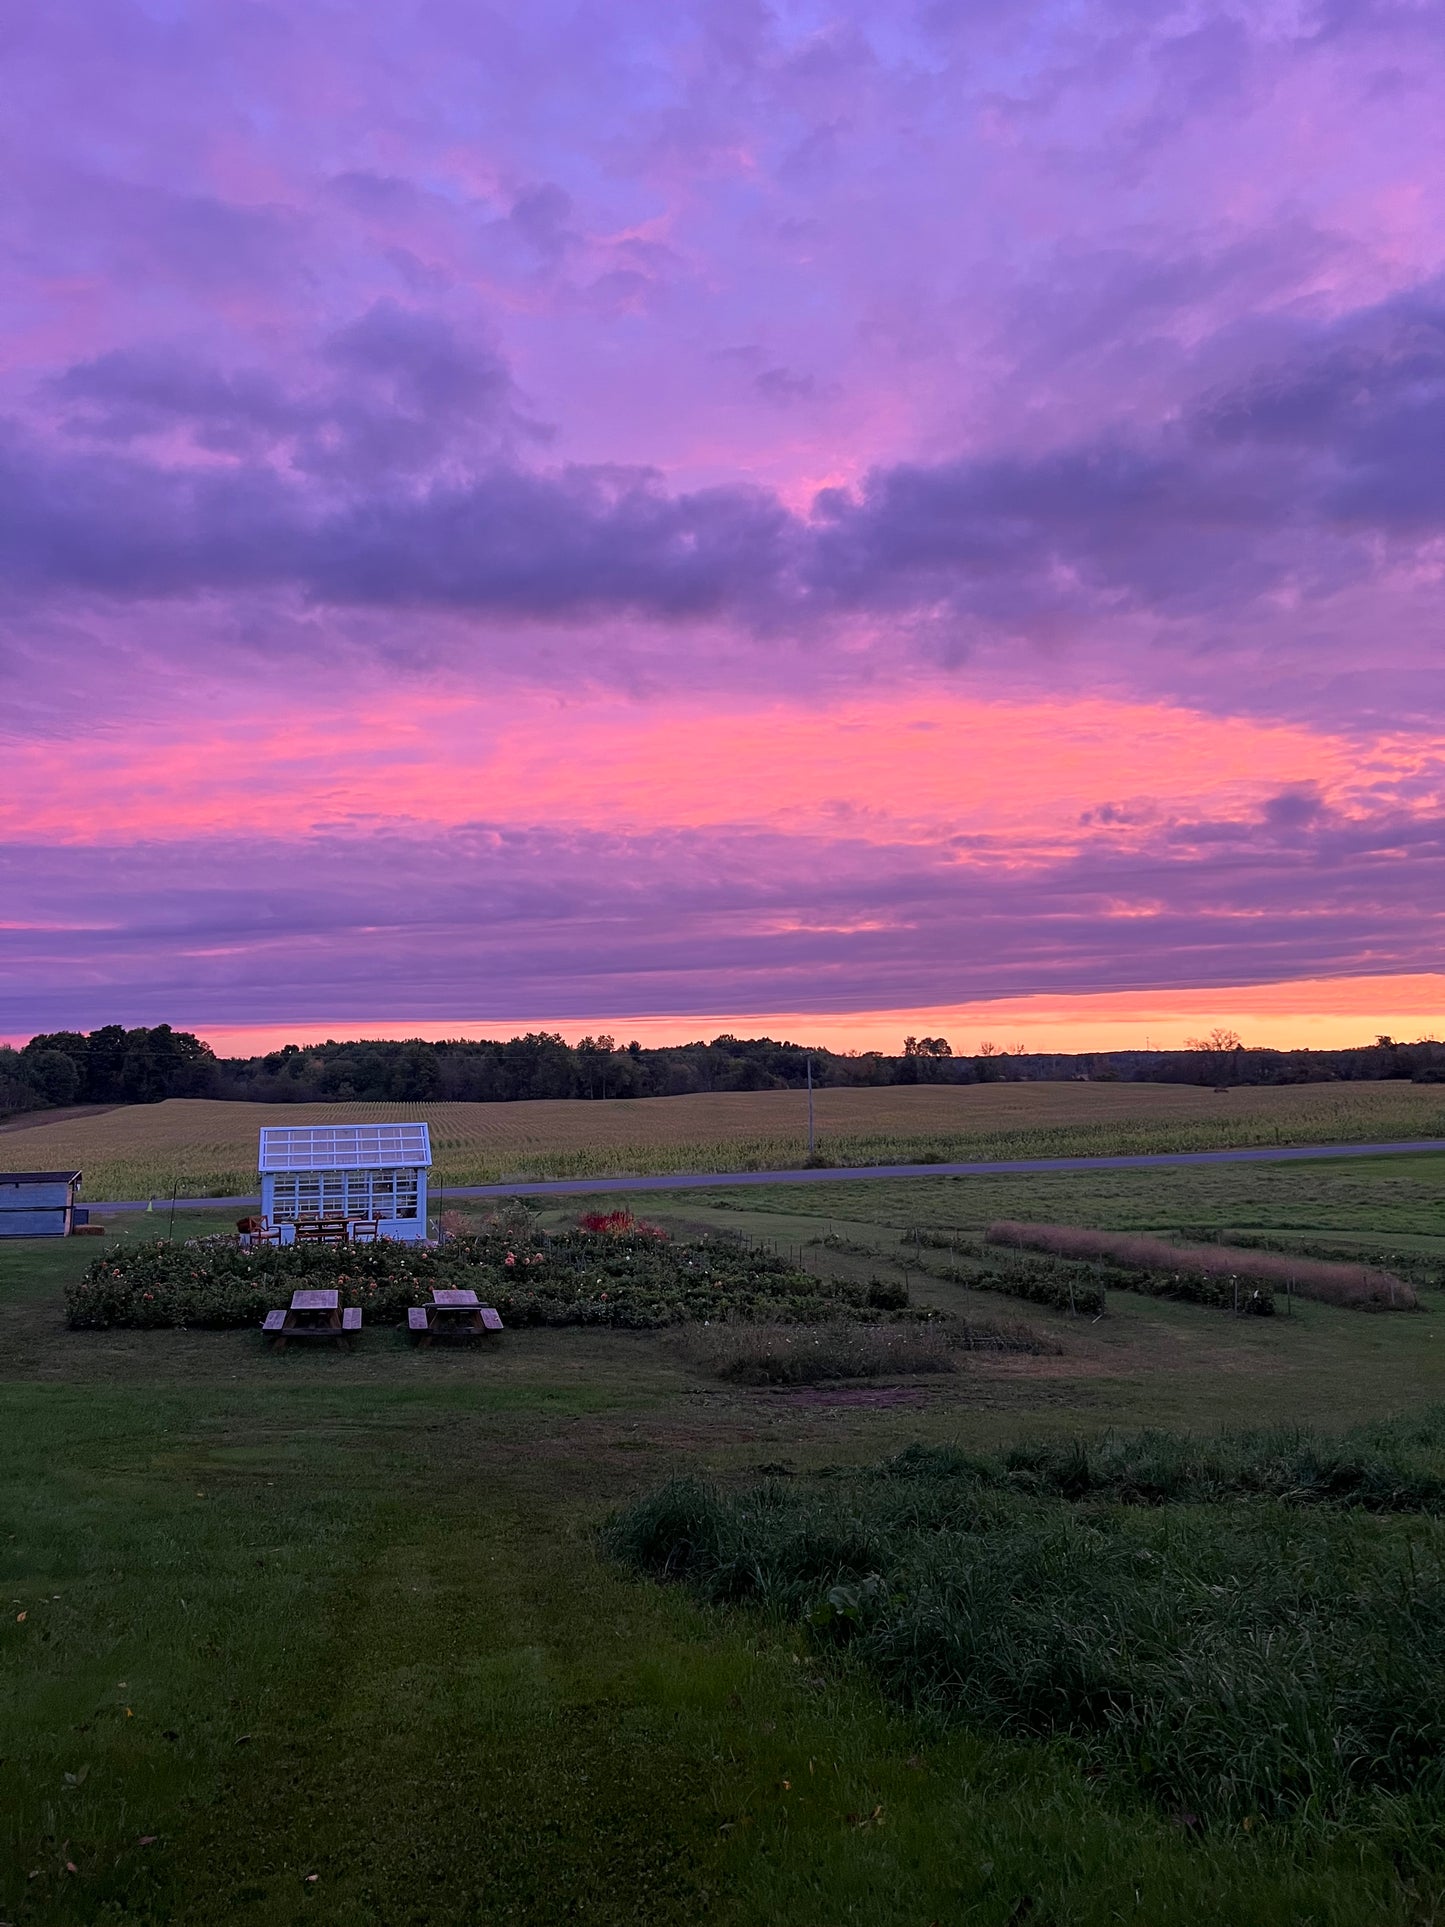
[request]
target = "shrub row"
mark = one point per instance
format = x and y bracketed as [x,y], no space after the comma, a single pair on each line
[1099,1275]
[1245,1661]
[574,1278]
[1057,1287]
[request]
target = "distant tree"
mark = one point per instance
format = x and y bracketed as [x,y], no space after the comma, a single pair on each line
[17,1092]
[54,1074]
[415,1074]
[594,1055]
[1218,1040]
[927,1047]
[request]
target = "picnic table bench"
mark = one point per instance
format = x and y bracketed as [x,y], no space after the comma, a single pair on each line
[452,1314]
[313,1314]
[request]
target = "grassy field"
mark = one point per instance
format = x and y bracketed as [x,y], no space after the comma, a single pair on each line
[208,1148]
[335,1639]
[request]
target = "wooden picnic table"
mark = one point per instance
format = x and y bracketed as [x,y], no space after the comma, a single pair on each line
[313,1314]
[452,1314]
[336,1231]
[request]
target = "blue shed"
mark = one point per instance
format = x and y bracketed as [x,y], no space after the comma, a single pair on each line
[37,1204]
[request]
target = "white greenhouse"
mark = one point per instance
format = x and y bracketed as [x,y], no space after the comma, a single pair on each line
[363,1173]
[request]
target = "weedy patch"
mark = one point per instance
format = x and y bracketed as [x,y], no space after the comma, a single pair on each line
[786,1355]
[1273,1655]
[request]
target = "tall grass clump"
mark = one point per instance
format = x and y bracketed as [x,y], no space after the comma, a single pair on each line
[1360,1287]
[814,1354]
[1424,1270]
[1245,1661]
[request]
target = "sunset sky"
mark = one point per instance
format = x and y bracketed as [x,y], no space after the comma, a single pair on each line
[677,517]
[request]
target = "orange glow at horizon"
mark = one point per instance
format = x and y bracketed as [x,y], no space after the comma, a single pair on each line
[1309,1013]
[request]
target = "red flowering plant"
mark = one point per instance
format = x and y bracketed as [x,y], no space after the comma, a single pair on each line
[619,1224]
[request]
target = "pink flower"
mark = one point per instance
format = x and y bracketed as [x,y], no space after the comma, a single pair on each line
[511,1258]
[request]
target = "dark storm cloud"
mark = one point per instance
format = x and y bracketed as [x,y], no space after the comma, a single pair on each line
[396,480]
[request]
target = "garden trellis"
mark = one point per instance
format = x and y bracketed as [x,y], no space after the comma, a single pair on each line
[353,1171]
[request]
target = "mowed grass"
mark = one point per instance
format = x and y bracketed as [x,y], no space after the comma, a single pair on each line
[207,1148]
[349,1616]
[1368,1201]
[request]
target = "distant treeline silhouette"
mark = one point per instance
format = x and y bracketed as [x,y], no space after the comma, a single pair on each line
[114,1065]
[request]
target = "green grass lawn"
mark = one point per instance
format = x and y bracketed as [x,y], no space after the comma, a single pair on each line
[347,1615]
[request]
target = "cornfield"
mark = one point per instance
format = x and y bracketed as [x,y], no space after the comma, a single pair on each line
[207,1148]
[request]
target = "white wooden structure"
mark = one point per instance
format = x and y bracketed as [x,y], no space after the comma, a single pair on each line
[365,1171]
[38,1204]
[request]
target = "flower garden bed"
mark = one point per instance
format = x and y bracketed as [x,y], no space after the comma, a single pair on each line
[631,1278]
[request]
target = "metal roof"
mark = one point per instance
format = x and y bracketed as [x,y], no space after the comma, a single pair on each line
[45,1177]
[343,1147]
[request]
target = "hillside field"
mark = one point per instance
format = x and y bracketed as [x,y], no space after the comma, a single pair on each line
[207,1148]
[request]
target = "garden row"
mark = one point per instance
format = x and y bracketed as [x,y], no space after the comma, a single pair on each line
[1078,1285]
[1222,1628]
[1197,1271]
[1069,1268]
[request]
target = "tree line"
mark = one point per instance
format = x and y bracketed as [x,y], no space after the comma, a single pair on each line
[114,1065]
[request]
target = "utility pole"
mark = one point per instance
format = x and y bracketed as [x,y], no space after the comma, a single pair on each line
[810,1110]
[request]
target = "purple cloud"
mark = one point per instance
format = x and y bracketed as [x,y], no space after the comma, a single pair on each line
[498,921]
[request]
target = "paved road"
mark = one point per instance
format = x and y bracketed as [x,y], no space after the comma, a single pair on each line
[828,1174]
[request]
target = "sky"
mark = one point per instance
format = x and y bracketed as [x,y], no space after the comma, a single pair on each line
[680,517]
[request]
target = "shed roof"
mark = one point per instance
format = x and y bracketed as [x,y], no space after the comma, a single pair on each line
[42,1177]
[343,1147]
